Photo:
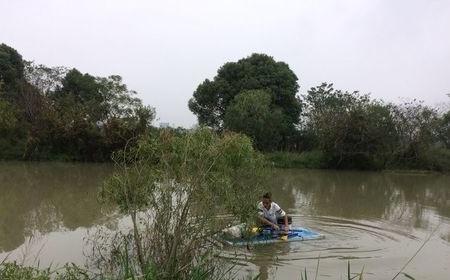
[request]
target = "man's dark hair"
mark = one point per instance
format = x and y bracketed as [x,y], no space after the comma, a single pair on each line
[267,195]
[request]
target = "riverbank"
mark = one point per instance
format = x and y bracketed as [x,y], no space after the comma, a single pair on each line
[437,160]
[293,160]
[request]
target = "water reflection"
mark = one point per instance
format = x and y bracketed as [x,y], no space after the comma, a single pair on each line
[47,197]
[269,258]
[363,195]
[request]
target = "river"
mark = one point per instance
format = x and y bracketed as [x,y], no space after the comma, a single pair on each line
[376,221]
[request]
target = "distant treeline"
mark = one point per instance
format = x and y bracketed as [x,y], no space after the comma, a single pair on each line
[325,127]
[60,113]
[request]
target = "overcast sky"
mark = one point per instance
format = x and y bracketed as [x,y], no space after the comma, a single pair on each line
[164,49]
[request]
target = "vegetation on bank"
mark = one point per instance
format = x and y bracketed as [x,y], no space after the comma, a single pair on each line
[56,113]
[438,160]
[257,96]
[307,159]
[14,271]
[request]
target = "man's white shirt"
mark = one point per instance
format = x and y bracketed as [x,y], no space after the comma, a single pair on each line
[272,214]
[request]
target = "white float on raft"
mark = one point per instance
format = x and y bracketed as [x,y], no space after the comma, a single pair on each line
[270,236]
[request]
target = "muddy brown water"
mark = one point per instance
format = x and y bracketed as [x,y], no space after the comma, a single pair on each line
[376,221]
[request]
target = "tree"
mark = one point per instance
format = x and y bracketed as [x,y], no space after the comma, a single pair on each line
[174,188]
[94,116]
[11,70]
[256,72]
[444,132]
[253,114]
[45,79]
[85,91]
[54,112]
[444,129]
[417,127]
[353,130]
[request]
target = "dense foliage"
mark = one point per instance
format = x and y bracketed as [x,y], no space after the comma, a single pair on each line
[212,99]
[355,131]
[332,128]
[174,188]
[252,113]
[59,113]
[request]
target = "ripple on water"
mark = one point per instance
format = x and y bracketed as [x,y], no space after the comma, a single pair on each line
[345,240]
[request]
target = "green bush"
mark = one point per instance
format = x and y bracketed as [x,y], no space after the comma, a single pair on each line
[186,181]
[13,271]
[438,159]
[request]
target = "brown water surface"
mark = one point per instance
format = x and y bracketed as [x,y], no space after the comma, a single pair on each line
[374,220]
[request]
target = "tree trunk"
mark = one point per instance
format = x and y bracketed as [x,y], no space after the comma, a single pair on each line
[137,241]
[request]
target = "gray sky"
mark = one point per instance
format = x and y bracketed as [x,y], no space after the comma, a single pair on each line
[164,49]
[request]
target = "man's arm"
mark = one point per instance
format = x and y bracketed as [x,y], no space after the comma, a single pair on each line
[280,212]
[264,221]
[286,222]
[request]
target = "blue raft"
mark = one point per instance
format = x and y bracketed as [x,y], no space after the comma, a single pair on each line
[270,236]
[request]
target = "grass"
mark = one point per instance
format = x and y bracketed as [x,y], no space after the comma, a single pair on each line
[433,160]
[358,276]
[14,271]
[307,159]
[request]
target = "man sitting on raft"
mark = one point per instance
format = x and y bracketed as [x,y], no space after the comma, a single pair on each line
[271,214]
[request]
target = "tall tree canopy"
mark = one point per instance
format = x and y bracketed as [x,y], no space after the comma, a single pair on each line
[350,128]
[251,113]
[54,112]
[11,69]
[256,72]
